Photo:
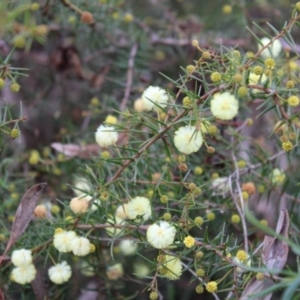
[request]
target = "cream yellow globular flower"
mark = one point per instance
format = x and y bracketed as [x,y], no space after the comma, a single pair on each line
[139,207]
[141,270]
[40,211]
[95,205]
[23,274]
[172,267]
[188,139]
[81,186]
[62,240]
[242,258]
[271,51]
[224,106]
[21,257]
[115,271]
[122,211]
[106,136]
[60,273]
[128,247]
[80,204]
[277,176]
[80,246]
[110,119]
[138,105]
[154,97]
[112,231]
[161,235]
[220,186]
[256,79]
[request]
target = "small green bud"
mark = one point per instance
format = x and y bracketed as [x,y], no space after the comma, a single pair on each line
[199,289]
[258,70]
[215,77]
[153,296]
[198,221]
[242,91]
[238,78]
[14,87]
[167,216]
[14,133]
[1,83]
[290,84]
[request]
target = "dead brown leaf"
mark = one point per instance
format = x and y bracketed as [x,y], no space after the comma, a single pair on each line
[24,214]
[274,257]
[73,150]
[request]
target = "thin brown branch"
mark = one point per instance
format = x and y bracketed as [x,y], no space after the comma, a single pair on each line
[132,55]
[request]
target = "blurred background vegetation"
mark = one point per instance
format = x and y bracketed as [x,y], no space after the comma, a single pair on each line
[74,69]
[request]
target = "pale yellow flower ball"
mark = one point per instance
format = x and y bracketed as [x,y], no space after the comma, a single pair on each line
[106,136]
[80,246]
[224,106]
[21,257]
[122,211]
[271,51]
[277,176]
[173,266]
[139,207]
[114,272]
[23,274]
[60,273]
[110,119]
[256,79]
[80,205]
[62,240]
[81,186]
[138,105]
[161,235]
[128,247]
[154,97]
[188,139]
[40,211]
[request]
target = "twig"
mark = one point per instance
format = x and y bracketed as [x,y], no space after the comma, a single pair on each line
[132,55]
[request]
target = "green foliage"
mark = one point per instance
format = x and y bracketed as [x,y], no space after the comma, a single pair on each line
[196,152]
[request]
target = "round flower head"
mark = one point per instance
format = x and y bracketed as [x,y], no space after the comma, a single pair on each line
[112,231]
[62,240]
[139,207]
[106,136]
[80,246]
[81,186]
[224,106]
[141,270]
[80,205]
[60,273]
[242,258]
[139,105]
[154,97]
[114,272]
[273,50]
[220,186]
[23,274]
[256,79]
[122,211]
[21,257]
[277,176]
[172,267]
[188,139]
[95,205]
[40,211]
[128,247]
[161,235]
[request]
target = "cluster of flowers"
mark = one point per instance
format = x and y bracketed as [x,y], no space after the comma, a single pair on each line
[64,241]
